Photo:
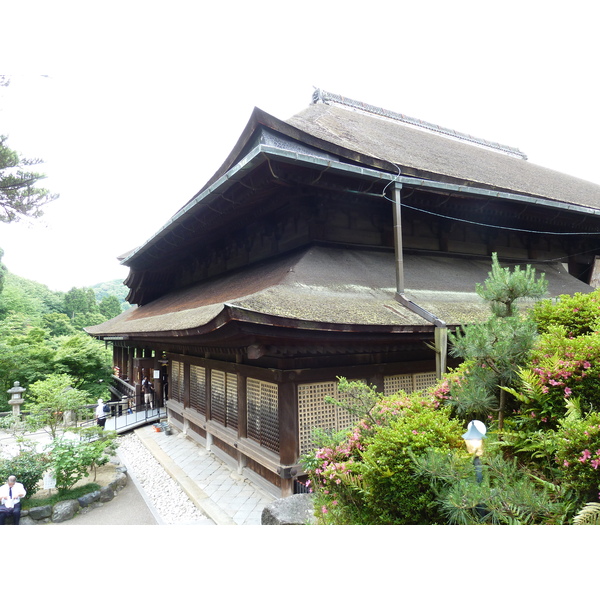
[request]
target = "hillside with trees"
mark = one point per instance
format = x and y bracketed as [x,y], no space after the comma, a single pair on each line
[41,334]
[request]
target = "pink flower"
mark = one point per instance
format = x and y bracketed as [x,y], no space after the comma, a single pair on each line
[324,510]
[584,456]
[565,463]
[595,463]
[567,392]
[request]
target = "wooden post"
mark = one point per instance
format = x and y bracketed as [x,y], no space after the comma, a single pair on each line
[397,207]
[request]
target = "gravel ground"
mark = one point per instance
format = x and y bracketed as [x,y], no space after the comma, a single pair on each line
[166,496]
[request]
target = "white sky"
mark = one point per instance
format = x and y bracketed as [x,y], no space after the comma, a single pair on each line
[144,101]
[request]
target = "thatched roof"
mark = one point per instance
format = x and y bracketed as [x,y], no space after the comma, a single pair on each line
[323,288]
[422,153]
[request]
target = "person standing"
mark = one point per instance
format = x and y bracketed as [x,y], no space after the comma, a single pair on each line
[100,414]
[10,499]
[148,391]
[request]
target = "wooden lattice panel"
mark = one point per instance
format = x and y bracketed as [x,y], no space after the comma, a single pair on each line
[394,383]
[232,400]
[269,416]
[253,408]
[198,389]
[424,380]
[263,414]
[177,381]
[315,413]
[217,396]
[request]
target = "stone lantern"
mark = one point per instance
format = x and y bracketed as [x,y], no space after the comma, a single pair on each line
[16,398]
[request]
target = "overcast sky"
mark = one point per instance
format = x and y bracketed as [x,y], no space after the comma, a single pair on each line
[142,102]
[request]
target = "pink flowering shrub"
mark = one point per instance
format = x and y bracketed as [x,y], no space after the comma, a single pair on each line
[368,478]
[578,456]
[562,371]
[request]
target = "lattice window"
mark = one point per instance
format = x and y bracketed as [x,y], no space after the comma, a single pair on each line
[217,396]
[177,381]
[232,400]
[198,389]
[408,383]
[263,413]
[315,413]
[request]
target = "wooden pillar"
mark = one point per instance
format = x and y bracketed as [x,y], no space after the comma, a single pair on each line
[287,406]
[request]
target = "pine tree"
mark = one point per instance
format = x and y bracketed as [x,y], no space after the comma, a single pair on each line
[499,346]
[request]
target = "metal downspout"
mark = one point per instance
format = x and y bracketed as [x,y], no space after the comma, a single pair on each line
[441,329]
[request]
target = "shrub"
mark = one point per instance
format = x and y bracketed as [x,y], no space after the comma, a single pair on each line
[71,460]
[564,372]
[368,478]
[578,314]
[578,455]
[396,495]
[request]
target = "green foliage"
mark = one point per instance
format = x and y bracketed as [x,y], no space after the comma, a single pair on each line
[588,515]
[562,378]
[110,307]
[28,467]
[395,494]
[504,287]
[3,271]
[19,195]
[83,358]
[496,348]
[579,314]
[29,298]
[578,455]
[51,399]
[115,288]
[71,460]
[367,478]
[58,324]
[507,495]
[72,494]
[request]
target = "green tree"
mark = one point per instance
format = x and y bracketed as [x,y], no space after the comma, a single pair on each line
[86,360]
[110,307]
[497,348]
[58,324]
[80,300]
[20,195]
[51,400]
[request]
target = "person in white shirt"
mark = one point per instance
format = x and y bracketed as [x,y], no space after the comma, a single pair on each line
[100,414]
[10,500]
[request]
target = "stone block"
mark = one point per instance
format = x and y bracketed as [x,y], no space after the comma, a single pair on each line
[89,499]
[295,510]
[64,510]
[106,494]
[37,513]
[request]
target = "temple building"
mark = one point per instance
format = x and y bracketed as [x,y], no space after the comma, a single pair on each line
[344,241]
